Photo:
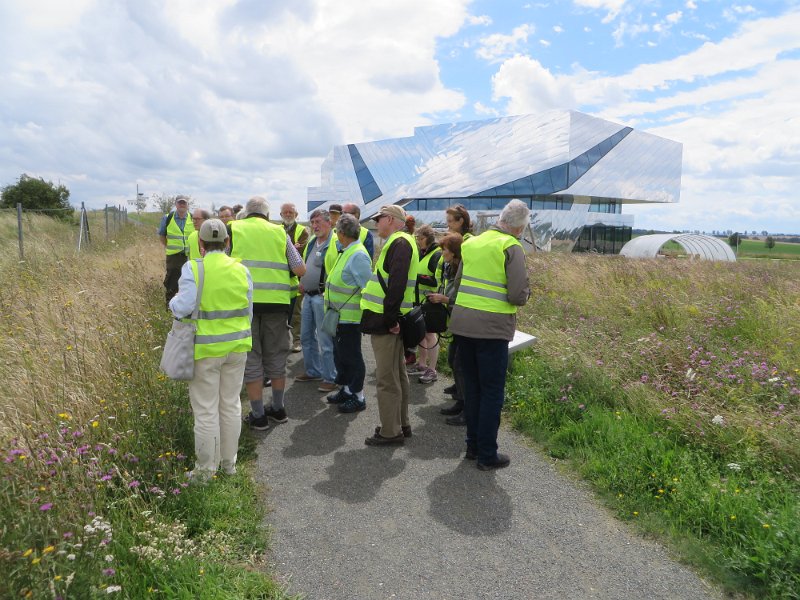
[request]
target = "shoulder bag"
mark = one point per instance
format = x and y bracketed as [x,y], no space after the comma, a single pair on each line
[177,361]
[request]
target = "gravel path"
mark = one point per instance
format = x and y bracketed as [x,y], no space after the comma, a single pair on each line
[419,522]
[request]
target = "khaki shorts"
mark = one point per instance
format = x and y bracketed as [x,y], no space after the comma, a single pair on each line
[270,347]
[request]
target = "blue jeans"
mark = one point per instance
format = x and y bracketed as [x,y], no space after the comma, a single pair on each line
[317,345]
[483,364]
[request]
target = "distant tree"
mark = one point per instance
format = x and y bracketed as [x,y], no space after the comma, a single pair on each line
[734,239]
[765,232]
[769,242]
[38,194]
[163,202]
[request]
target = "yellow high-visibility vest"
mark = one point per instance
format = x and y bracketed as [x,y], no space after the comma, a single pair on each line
[177,240]
[223,320]
[373,295]
[343,296]
[484,285]
[261,246]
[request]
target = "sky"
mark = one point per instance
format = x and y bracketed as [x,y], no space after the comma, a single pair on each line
[225,99]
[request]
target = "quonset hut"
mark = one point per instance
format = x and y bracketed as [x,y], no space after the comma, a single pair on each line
[575,171]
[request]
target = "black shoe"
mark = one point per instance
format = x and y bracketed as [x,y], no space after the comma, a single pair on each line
[501,462]
[259,424]
[457,421]
[450,389]
[339,397]
[471,454]
[405,429]
[267,382]
[379,440]
[352,404]
[455,409]
[279,416]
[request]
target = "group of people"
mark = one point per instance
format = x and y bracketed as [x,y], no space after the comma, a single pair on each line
[247,277]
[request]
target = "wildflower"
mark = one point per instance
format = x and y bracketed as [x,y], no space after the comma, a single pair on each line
[734,466]
[70,557]
[636,513]
[134,484]
[48,549]
[45,507]
[57,578]
[67,535]
[36,561]
[113,588]
[109,572]
[765,525]
[27,553]
[718,420]
[733,517]
[95,424]
[691,374]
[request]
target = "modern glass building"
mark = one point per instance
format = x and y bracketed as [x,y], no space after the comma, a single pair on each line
[575,171]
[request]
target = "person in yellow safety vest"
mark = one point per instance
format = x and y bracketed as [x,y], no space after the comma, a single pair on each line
[429,257]
[350,273]
[270,256]
[365,237]
[320,257]
[299,235]
[199,216]
[173,232]
[389,294]
[335,210]
[225,308]
[491,283]
[458,221]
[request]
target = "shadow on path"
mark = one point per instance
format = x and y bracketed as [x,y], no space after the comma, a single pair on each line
[356,475]
[470,502]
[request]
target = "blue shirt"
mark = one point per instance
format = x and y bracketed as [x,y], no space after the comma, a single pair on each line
[181,221]
[183,303]
[358,269]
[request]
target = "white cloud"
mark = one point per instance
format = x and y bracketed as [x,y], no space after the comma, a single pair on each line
[544,43]
[479,20]
[735,112]
[558,29]
[219,100]
[497,46]
[482,109]
[675,17]
[691,5]
[613,7]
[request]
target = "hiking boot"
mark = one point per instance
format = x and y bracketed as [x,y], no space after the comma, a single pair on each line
[352,404]
[455,409]
[327,386]
[405,429]
[450,389]
[456,421]
[279,416]
[296,348]
[471,454]
[267,382]
[339,397]
[501,462]
[259,424]
[306,377]
[429,376]
[379,440]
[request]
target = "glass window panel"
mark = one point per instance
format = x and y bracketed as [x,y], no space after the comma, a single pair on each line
[550,204]
[593,155]
[438,203]
[370,192]
[541,183]
[523,186]
[507,189]
[413,205]
[558,176]
[499,203]
[480,203]
[537,203]
[312,204]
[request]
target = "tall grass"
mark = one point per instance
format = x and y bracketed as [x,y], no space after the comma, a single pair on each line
[95,443]
[673,387]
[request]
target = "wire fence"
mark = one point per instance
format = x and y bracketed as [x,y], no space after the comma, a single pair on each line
[105,222]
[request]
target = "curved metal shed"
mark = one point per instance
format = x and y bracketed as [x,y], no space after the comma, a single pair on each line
[704,247]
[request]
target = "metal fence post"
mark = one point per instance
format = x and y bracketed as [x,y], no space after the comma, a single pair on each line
[106,211]
[19,230]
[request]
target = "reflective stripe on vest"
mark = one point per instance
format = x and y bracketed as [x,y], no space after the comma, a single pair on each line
[194,245]
[344,297]
[294,280]
[373,295]
[261,246]
[177,240]
[223,321]
[483,278]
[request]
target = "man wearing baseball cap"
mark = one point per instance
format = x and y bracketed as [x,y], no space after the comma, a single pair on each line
[221,289]
[174,231]
[388,294]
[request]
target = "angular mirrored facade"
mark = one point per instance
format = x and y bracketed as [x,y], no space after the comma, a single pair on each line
[575,171]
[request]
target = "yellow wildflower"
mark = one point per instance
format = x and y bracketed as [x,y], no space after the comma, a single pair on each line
[95,424]
[27,553]
[48,549]
[36,561]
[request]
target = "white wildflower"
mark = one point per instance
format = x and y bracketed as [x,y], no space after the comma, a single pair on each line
[109,558]
[70,557]
[690,374]
[113,588]
[718,420]
[734,466]
[773,379]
